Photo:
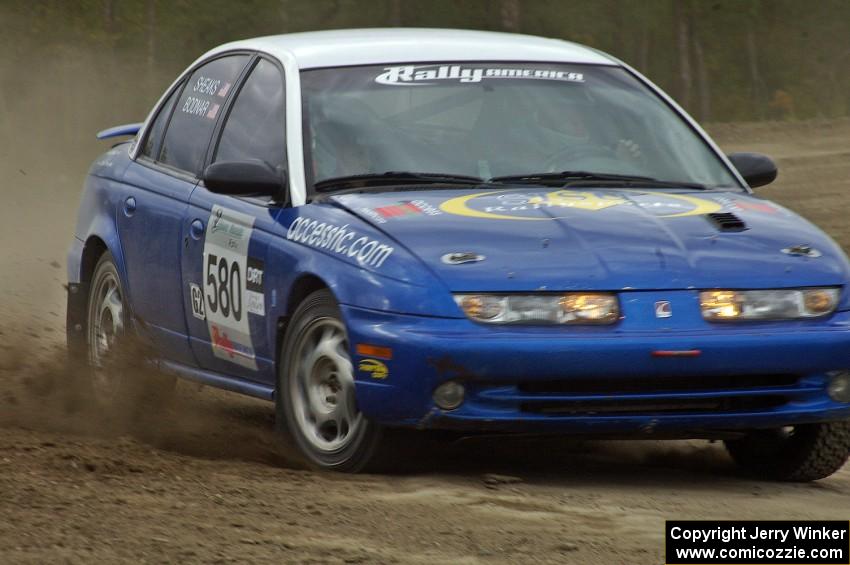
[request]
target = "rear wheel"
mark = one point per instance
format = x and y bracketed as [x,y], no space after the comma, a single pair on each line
[116,372]
[316,404]
[807,452]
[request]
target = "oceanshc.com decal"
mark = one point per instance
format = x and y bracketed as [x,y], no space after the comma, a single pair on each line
[415,75]
[339,239]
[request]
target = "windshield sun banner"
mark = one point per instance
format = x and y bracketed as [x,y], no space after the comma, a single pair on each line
[415,75]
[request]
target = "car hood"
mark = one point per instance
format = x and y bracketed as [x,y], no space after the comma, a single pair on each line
[603,239]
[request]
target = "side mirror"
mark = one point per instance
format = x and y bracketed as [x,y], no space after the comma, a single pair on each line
[757,169]
[252,177]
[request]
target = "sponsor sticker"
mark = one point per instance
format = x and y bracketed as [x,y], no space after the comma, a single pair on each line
[400,210]
[420,75]
[741,205]
[376,369]
[502,205]
[341,240]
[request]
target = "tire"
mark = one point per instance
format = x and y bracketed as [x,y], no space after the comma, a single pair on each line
[117,377]
[315,405]
[803,453]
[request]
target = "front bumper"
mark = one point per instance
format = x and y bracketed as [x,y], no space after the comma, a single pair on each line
[602,380]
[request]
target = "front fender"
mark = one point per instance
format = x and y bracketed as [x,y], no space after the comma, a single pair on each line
[395,282]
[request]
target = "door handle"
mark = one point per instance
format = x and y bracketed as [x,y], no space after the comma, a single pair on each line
[129,207]
[197,229]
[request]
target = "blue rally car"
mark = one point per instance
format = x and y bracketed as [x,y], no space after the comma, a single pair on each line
[469,231]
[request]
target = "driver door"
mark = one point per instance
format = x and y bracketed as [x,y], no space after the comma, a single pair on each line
[224,260]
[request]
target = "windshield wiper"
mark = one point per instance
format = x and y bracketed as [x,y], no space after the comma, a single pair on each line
[394,178]
[572,178]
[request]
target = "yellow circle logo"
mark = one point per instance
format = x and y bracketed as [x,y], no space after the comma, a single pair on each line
[518,205]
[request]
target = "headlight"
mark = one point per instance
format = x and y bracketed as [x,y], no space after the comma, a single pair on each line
[786,304]
[568,308]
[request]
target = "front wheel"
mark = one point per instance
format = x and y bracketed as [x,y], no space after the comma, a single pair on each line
[315,402]
[802,453]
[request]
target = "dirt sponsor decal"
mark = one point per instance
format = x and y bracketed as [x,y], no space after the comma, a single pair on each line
[376,369]
[528,205]
[254,295]
[421,75]
[227,298]
[341,240]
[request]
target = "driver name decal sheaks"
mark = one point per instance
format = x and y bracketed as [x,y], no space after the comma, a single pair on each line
[502,205]
[339,239]
[232,286]
[419,75]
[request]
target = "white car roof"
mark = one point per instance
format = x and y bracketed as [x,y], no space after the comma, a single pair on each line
[375,46]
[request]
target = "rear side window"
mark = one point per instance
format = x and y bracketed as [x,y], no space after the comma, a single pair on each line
[255,127]
[196,111]
[158,126]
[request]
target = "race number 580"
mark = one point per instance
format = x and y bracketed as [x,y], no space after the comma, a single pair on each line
[224,287]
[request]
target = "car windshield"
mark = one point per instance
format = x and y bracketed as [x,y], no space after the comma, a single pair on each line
[498,119]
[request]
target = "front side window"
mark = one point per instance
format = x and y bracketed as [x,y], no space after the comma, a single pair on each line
[255,126]
[496,119]
[188,135]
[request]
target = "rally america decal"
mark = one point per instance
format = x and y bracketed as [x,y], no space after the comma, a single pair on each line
[528,205]
[420,75]
[233,286]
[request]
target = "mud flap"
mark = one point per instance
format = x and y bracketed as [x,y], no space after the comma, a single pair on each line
[75,323]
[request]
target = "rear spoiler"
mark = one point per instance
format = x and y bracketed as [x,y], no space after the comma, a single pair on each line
[118,131]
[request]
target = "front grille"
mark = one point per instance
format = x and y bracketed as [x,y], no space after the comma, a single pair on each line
[653,406]
[617,385]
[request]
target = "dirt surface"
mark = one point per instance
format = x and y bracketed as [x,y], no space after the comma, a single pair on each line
[200,479]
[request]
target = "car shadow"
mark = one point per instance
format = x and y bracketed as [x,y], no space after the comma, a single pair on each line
[213,424]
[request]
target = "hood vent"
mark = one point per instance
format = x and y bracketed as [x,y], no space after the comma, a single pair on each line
[727,221]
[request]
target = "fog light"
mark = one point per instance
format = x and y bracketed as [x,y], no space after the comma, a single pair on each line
[839,386]
[449,395]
